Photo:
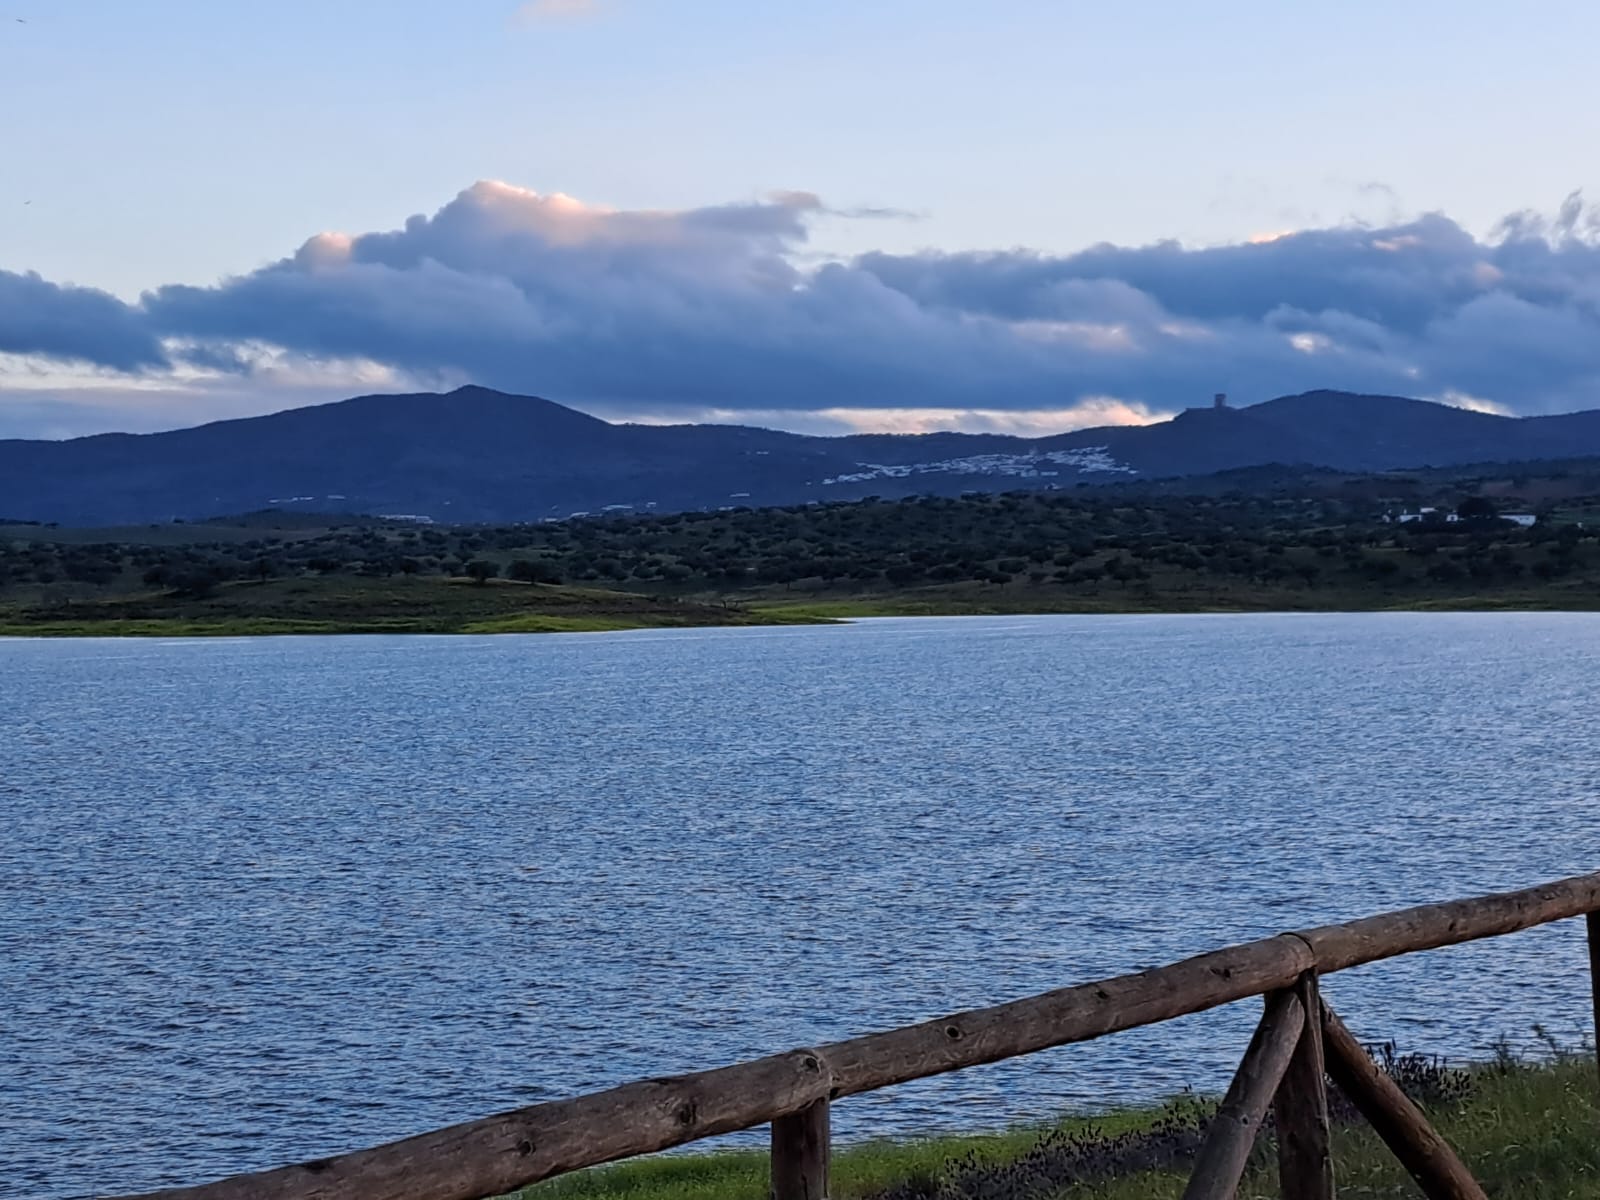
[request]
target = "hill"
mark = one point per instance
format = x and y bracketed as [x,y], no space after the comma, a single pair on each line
[476,455]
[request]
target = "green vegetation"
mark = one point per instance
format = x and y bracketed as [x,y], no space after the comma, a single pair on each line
[886,1168]
[1088,550]
[860,1171]
[364,605]
[1525,1130]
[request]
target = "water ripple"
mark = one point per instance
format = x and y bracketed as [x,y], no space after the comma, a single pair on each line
[270,899]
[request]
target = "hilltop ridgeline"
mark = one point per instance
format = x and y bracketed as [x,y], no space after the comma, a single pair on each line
[476,455]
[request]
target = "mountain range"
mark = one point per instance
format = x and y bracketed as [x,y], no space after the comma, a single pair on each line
[479,455]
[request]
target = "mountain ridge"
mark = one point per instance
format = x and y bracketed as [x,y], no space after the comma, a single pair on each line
[476,454]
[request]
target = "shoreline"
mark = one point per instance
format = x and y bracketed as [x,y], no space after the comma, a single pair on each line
[759,614]
[183,628]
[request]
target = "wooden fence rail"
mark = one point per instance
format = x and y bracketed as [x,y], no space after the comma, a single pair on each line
[792,1091]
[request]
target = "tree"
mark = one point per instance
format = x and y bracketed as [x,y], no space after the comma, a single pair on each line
[1476,508]
[196,583]
[902,574]
[534,570]
[481,570]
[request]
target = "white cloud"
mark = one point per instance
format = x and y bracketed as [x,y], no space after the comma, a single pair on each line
[41,399]
[1475,404]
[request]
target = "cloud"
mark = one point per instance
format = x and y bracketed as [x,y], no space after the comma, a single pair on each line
[730,309]
[1094,411]
[84,400]
[73,324]
[1475,404]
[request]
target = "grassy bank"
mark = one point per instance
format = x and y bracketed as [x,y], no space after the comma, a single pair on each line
[315,605]
[1019,598]
[358,605]
[1528,1132]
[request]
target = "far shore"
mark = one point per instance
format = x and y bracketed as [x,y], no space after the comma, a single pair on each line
[115,621]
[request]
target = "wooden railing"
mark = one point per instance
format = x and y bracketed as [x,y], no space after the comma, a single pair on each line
[1283,1068]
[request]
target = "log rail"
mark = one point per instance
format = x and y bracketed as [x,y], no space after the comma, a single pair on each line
[792,1091]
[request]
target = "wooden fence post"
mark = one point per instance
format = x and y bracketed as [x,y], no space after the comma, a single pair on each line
[1592,922]
[1305,1162]
[800,1152]
[1222,1158]
[1439,1172]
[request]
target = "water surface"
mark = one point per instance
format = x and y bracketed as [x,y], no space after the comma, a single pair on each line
[269,899]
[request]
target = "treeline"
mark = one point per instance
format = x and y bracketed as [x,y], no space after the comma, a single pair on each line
[1041,539]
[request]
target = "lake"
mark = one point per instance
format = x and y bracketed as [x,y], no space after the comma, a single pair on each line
[269,899]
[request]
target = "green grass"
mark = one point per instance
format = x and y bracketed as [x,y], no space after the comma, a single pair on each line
[1527,1132]
[857,1172]
[1023,602]
[345,604]
[1170,592]
[174,627]
[742,1175]
[1530,1134]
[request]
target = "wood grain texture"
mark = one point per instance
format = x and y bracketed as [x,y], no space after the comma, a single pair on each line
[1429,926]
[1305,1156]
[1429,1159]
[1073,1014]
[1592,923]
[1220,1164]
[800,1154]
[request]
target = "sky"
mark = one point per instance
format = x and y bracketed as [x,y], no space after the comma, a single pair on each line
[1028,215]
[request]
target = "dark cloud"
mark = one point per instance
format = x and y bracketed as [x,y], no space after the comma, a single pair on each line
[709,308]
[73,324]
[1400,277]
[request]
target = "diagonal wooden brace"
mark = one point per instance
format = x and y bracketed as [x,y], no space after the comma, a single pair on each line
[1221,1162]
[1438,1170]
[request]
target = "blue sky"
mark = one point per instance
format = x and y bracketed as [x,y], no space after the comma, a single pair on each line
[173,142]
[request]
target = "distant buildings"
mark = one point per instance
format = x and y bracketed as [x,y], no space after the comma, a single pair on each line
[1449,516]
[1423,514]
